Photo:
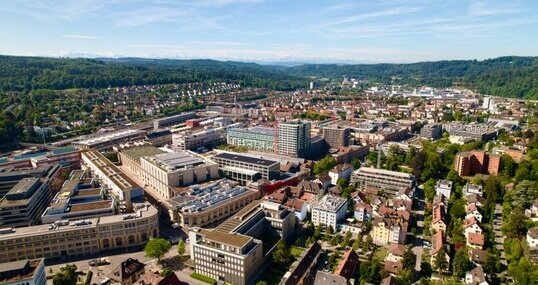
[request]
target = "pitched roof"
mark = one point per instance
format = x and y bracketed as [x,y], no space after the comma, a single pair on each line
[475,239]
[437,242]
[479,255]
[324,278]
[533,232]
[348,264]
[393,266]
[397,249]
[127,268]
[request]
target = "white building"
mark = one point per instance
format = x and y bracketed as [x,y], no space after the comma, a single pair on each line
[469,189]
[532,237]
[329,211]
[443,187]
[340,171]
[293,138]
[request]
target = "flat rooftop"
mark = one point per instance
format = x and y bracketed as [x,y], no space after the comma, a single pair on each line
[177,160]
[110,137]
[226,238]
[135,153]
[23,188]
[384,172]
[245,159]
[256,130]
[91,206]
[26,268]
[330,203]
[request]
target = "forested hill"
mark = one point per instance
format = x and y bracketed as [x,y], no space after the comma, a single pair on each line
[509,76]
[503,76]
[27,73]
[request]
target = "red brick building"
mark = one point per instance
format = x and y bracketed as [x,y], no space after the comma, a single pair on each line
[477,162]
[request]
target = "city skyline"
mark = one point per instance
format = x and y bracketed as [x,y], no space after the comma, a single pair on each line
[271,31]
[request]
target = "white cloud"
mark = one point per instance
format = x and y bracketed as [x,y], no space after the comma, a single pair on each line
[82,37]
[490,8]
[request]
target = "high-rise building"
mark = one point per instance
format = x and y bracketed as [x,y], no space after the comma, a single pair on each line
[294,138]
[336,136]
[256,138]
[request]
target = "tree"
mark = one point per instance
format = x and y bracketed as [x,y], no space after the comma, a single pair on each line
[440,260]
[157,248]
[409,259]
[324,164]
[461,263]
[357,243]
[166,271]
[66,276]
[405,277]
[282,255]
[356,163]
[181,248]
[425,269]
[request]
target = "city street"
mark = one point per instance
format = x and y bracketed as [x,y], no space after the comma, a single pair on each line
[418,212]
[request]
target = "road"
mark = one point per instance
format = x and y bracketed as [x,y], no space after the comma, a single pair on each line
[418,212]
[499,238]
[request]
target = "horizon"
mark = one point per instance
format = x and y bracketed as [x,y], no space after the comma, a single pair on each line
[267,31]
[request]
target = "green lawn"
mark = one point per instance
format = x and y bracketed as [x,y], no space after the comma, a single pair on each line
[296,250]
[381,253]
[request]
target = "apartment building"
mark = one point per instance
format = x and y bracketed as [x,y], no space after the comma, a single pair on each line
[347,154]
[303,271]
[164,172]
[388,181]
[202,139]
[329,211]
[336,136]
[387,230]
[80,238]
[256,138]
[341,171]
[23,204]
[294,138]
[244,168]
[111,177]
[469,163]
[200,205]
[23,272]
[443,187]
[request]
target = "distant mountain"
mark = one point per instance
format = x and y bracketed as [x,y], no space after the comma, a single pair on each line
[509,76]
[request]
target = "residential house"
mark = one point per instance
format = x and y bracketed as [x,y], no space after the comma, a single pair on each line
[324,180]
[532,237]
[341,171]
[472,211]
[475,240]
[388,230]
[470,189]
[478,256]
[476,276]
[438,242]
[443,187]
[472,226]
[347,266]
[128,272]
[396,252]
[439,222]
[363,212]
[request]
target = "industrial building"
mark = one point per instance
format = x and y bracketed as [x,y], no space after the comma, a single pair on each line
[256,138]
[173,120]
[108,140]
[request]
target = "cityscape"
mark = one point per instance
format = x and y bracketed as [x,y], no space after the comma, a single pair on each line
[202,168]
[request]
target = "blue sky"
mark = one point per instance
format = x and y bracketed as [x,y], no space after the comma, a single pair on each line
[271,30]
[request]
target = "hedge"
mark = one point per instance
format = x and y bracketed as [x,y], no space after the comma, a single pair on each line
[203,278]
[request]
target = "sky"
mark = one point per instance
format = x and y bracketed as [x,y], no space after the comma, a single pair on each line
[340,31]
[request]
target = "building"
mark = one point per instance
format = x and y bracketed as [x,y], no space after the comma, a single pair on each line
[469,163]
[233,251]
[130,158]
[303,271]
[347,154]
[341,171]
[63,156]
[200,205]
[80,238]
[226,257]
[324,278]
[79,198]
[388,181]
[200,140]
[388,230]
[23,272]
[336,136]
[329,211]
[173,120]
[363,212]
[479,132]
[164,172]
[244,168]
[294,138]
[128,272]
[23,205]
[532,238]
[431,131]
[111,177]
[443,187]
[256,138]
[347,266]
[476,276]
[107,140]
[470,189]
[159,137]
[9,177]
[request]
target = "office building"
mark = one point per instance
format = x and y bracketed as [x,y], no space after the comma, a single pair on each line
[80,238]
[79,198]
[233,252]
[200,205]
[469,163]
[173,120]
[63,156]
[164,172]
[294,138]
[111,178]
[431,131]
[479,132]
[256,138]
[336,136]
[23,272]
[244,168]
[329,211]
[390,182]
[199,140]
[23,205]
[108,140]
